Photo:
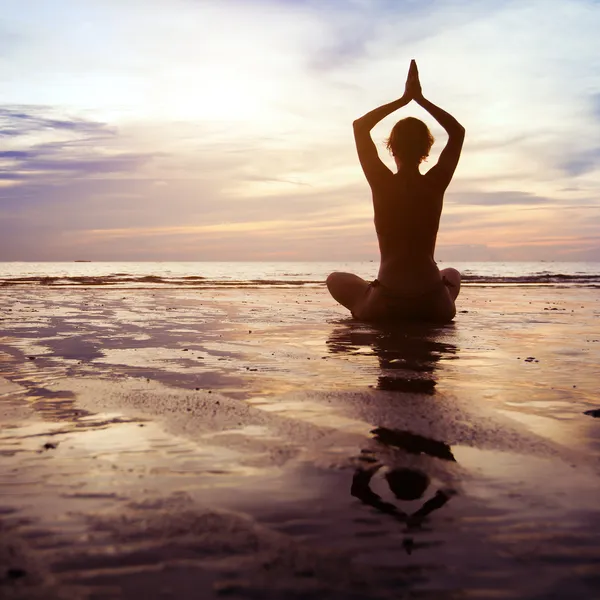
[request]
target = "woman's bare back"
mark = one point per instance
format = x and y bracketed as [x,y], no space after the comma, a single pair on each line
[407,215]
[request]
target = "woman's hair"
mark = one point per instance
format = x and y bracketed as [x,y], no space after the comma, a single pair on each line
[410,140]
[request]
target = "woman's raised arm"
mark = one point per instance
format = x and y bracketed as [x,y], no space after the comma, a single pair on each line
[448,160]
[371,164]
[374,169]
[368,121]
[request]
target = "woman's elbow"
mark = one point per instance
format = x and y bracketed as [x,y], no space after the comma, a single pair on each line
[357,124]
[458,132]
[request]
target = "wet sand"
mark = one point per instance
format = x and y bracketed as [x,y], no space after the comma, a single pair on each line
[258,443]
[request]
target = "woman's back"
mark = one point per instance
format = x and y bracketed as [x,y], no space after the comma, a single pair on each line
[407,214]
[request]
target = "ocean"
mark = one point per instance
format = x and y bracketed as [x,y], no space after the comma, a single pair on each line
[275,274]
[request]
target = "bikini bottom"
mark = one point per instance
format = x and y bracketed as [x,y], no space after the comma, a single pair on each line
[381,303]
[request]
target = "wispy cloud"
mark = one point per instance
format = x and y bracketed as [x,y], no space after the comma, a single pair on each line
[507,198]
[582,162]
[53,152]
[18,121]
[595,102]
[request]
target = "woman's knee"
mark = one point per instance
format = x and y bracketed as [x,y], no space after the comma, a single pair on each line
[452,280]
[339,279]
[331,279]
[333,283]
[345,287]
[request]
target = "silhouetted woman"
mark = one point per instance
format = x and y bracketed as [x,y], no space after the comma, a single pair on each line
[407,207]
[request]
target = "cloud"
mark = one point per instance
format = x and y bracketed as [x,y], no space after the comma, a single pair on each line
[507,198]
[57,164]
[582,162]
[75,150]
[9,176]
[465,252]
[18,121]
[596,105]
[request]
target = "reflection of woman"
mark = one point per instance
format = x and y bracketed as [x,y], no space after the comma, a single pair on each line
[407,208]
[407,482]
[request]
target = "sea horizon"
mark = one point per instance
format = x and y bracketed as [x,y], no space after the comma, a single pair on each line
[276,273]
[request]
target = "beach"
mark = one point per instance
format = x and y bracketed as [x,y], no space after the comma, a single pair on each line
[254,442]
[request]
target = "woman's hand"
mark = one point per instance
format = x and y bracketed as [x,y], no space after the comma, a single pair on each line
[412,90]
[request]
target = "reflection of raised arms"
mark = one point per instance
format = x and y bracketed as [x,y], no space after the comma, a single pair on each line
[443,171]
[375,171]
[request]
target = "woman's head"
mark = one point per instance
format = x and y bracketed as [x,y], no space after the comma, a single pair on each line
[410,141]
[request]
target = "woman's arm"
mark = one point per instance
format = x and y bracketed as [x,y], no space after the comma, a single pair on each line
[446,120]
[368,121]
[444,170]
[374,169]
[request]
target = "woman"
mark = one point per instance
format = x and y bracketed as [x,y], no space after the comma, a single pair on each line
[407,207]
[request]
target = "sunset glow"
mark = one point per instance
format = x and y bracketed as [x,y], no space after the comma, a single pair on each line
[224,127]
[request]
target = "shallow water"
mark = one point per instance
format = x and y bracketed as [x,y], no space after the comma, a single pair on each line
[210,445]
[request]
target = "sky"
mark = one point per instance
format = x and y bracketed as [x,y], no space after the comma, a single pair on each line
[222,129]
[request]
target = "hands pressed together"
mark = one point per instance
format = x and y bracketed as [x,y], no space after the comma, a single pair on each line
[412,90]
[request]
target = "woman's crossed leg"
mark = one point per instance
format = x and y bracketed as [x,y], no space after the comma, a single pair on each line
[347,289]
